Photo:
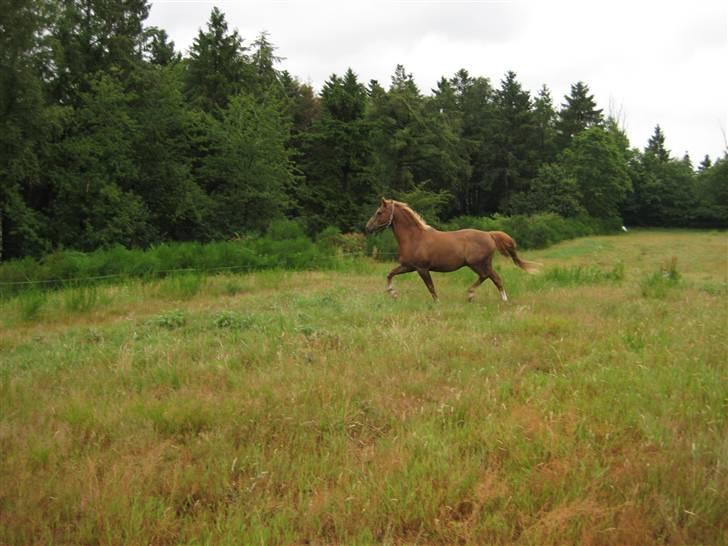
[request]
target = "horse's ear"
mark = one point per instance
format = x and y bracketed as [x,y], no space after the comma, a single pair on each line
[384,201]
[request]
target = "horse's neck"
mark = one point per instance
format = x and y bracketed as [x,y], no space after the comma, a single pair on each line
[406,230]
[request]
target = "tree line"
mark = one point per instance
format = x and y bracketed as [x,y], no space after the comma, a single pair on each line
[109,135]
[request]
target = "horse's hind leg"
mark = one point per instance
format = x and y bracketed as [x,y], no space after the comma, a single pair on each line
[480,269]
[427,279]
[396,271]
[476,284]
[485,271]
[498,283]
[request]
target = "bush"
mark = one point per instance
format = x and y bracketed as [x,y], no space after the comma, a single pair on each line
[284,245]
[539,230]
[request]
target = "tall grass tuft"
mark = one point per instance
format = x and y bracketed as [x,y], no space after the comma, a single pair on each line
[181,287]
[658,284]
[80,299]
[578,275]
[30,304]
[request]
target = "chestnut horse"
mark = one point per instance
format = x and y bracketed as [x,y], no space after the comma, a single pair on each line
[424,249]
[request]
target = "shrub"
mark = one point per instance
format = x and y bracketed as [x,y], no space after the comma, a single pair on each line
[30,304]
[578,275]
[170,320]
[539,230]
[233,321]
[80,299]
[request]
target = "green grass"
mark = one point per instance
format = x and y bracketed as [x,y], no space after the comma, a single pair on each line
[287,407]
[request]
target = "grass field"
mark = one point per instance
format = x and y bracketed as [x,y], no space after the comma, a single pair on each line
[309,408]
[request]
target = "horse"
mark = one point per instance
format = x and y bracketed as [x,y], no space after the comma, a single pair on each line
[424,249]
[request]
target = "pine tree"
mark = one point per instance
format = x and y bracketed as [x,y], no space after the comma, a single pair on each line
[159,49]
[705,164]
[217,67]
[578,113]
[476,100]
[416,145]
[337,158]
[264,60]
[656,149]
[545,120]
[514,163]
[90,37]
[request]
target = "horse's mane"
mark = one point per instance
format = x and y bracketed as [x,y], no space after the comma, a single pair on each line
[416,217]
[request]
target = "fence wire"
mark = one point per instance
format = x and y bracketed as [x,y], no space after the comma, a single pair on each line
[165,272]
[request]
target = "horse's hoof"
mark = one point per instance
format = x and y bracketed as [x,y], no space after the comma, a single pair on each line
[393,293]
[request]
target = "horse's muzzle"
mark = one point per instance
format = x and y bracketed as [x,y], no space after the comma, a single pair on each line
[373,228]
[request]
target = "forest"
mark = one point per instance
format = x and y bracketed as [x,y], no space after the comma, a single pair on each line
[109,135]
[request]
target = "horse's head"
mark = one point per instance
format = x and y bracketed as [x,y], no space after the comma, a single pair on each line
[382,217]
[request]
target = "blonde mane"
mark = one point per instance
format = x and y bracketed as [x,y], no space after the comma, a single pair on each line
[416,217]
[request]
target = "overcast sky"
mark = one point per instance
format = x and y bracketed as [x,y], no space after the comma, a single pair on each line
[646,62]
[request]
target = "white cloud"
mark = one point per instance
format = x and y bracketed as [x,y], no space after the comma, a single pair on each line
[657,62]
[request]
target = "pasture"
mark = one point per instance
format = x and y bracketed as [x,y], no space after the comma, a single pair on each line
[310,408]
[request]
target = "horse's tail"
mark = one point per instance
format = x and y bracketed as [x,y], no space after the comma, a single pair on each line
[507,246]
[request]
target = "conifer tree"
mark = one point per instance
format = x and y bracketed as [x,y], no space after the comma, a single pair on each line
[705,164]
[656,149]
[217,67]
[90,37]
[578,113]
[545,120]
[159,49]
[514,165]
[337,157]
[264,59]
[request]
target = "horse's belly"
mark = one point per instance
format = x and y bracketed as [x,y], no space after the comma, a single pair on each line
[446,268]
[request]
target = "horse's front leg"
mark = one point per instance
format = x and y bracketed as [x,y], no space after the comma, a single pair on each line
[427,279]
[396,271]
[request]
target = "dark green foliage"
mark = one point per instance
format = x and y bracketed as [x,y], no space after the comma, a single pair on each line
[217,67]
[23,127]
[158,49]
[536,231]
[284,246]
[553,190]
[712,191]
[89,37]
[93,168]
[667,192]
[415,141]
[578,113]
[595,160]
[246,170]
[515,141]
[108,137]
[337,155]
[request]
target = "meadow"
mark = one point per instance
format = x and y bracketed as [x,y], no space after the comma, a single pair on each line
[307,407]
